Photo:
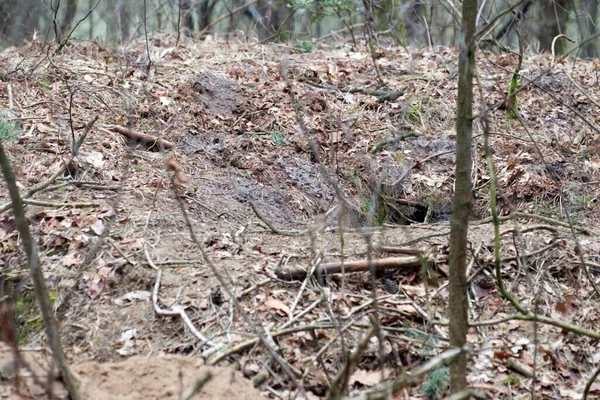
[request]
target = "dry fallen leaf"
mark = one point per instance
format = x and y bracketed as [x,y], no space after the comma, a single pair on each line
[277,305]
[367,378]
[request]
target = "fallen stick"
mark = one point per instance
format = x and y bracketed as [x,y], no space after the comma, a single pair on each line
[378,265]
[400,250]
[141,137]
[58,205]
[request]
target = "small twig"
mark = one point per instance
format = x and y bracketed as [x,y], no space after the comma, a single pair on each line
[228,15]
[523,215]
[347,28]
[382,95]
[529,228]
[58,205]
[66,40]
[178,311]
[304,312]
[399,250]
[561,36]
[11,105]
[341,379]
[312,269]
[544,249]
[254,287]
[382,391]
[197,387]
[114,246]
[216,214]
[391,142]
[175,310]
[519,367]
[589,384]
[252,342]
[282,232]
[425,237]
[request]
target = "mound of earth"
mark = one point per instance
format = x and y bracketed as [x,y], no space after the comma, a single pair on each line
[156,378]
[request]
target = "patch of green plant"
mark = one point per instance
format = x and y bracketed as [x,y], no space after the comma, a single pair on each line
[437,383]
[576,218]
[57,249]
[52,296]
[354,179]
[375,210]
[579,202]
[46,82]
[545,210]
[21,306]
[381,214]
[414,113]
[400,157]
[35,325]
[366,206]
[417,334]
[512,103]
[512,380]
[138,167]
[582,201]
[434,199]
[27,319]
[278,139]
[9,131]
[438,380]
[304,47]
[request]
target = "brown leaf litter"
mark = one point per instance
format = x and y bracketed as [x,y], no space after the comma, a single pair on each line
[236,141]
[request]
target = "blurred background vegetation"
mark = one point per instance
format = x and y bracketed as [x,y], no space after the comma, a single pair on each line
[398,22]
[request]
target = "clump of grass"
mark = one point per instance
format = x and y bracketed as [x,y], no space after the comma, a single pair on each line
[304,47]
[9,131]
[414,113]
[376,211]
[436,384]
[512,102]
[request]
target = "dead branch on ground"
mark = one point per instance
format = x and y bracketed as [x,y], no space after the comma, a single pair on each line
[382,95]
[375,265]
[277,231]
[340,381]
[140,137]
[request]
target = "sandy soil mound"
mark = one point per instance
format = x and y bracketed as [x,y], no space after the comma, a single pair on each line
[163,377]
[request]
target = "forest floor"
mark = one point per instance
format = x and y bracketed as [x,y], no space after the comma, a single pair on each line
[236,121]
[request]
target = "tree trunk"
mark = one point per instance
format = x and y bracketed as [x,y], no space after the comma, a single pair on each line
[587,27]
[66,24]
[187,17]
[461,206]
[123,20]
[552,15]
[18,20]
[204,11]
